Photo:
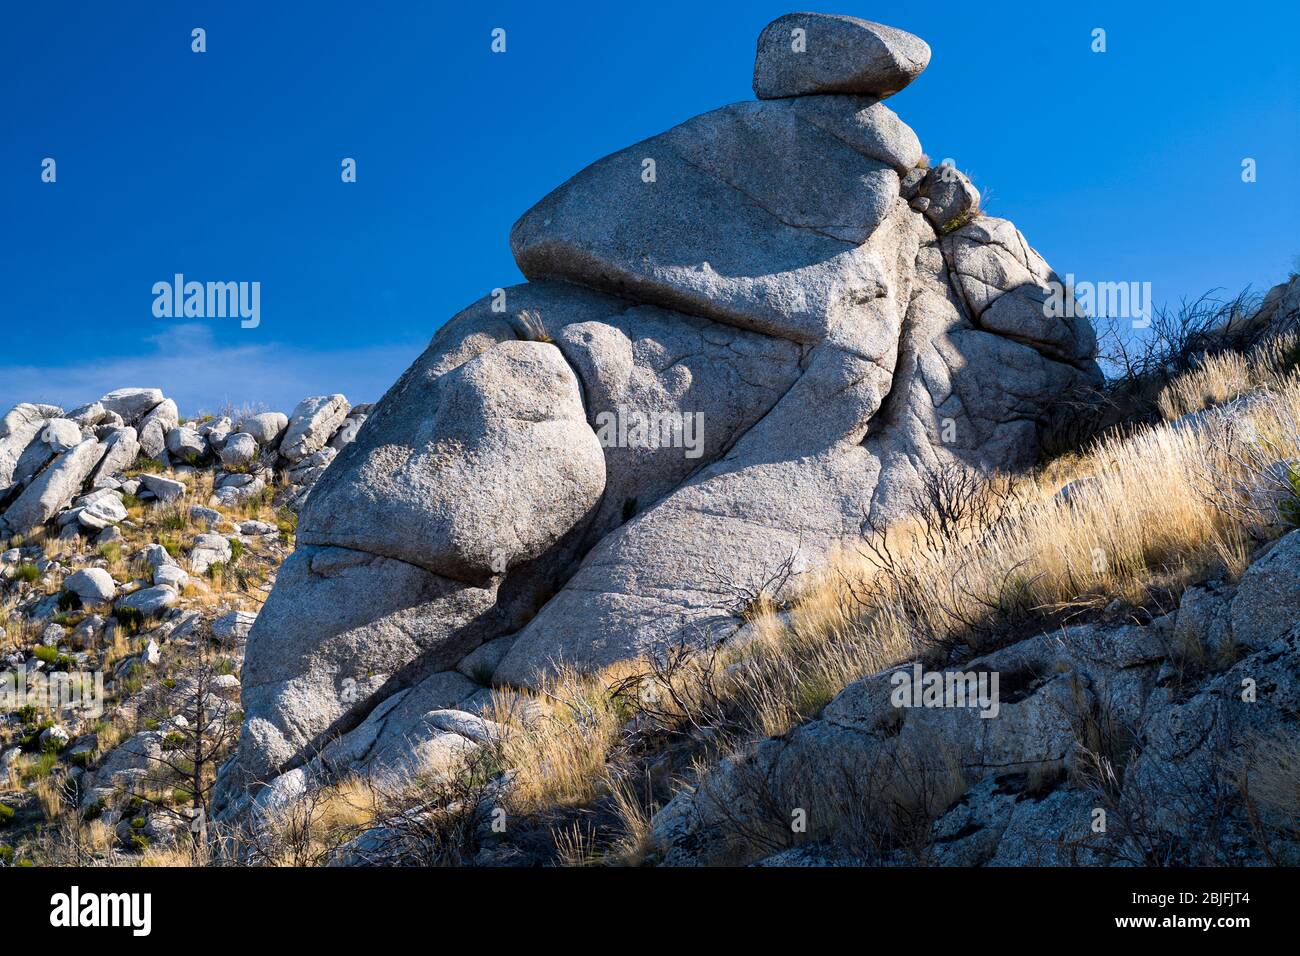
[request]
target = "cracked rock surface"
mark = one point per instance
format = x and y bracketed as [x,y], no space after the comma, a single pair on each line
[754,278]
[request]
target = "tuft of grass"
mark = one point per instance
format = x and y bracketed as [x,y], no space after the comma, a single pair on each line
[1226,376]
[531,327]
[110,551]
[559,759]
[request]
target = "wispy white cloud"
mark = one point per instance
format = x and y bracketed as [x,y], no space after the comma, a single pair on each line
[189,365]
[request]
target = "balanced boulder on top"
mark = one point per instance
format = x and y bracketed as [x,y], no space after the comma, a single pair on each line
[802,54]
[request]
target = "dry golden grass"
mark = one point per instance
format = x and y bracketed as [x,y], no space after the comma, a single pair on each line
[1141,520]
[635,811]
[305,831]
[1229,375]
[50,796]
[182,855]
[559,758]
[575,844]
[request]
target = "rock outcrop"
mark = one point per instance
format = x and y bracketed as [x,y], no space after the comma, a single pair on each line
[1181,710]
[49,458]
[739,340]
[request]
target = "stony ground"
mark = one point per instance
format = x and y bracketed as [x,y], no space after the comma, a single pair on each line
[138,590]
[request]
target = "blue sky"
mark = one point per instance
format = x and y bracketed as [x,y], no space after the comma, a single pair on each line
[1120,166]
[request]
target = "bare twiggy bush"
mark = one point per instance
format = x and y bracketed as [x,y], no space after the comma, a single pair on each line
[1140,362]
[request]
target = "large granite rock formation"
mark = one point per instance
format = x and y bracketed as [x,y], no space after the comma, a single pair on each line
[740,339]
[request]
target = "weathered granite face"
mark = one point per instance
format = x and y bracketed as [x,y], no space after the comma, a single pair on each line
[753,289]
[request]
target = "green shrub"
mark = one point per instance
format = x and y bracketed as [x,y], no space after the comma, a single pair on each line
[6,854]
[46,654]
[1290,507]
[146,465]
[42,768]
[6,814]
[28,573]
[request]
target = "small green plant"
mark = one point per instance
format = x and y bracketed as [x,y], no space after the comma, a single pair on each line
[28,573]
[956,222]
[46,654]
[173,518]
[287,521]
[236,549]
[6,814]
[138,842]
[6,854]
[146,465]
[1289,508]
[42,767]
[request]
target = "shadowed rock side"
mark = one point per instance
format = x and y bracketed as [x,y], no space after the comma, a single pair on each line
[839,318]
